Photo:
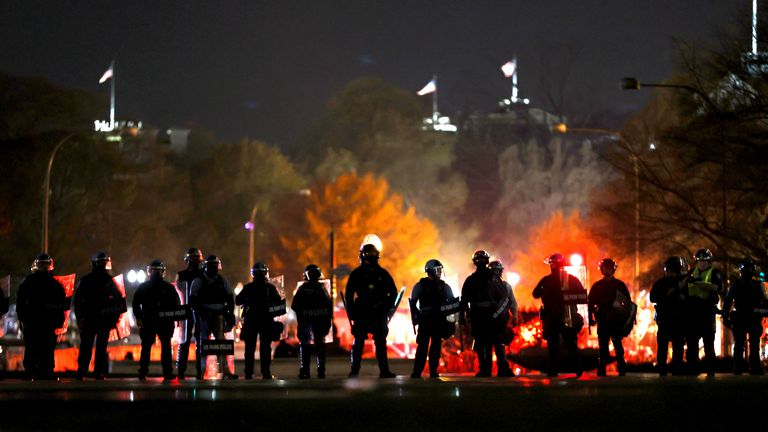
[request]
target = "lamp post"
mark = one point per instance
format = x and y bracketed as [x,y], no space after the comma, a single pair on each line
[631,83]
[47,191]
[563,129]
[250,225]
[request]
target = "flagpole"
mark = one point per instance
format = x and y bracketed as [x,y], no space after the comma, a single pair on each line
[754,27]
[112,97]
[434,101]
[514,81]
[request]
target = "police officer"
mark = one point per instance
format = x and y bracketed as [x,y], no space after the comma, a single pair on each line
[668,294]
[557,317]
[705,286]
[314,312]
[152,297]
[213,301]
[256,299]
[40,304]
[98,304]
[184,280]
[746,295]
[478,303]
[506,311]
[609,326]
[427,297]
[370,294]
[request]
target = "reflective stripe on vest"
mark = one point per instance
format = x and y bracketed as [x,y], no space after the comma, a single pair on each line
[706,277]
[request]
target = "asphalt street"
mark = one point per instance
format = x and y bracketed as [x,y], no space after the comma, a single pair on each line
[452,402]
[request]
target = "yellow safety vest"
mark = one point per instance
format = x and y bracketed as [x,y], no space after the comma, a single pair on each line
[699,289]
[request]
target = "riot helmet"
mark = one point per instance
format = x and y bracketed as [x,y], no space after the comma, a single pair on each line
[212,265]
[747,269]
[480,258]
[260,271]
[193,257]
[369,254]
[556,261]
[496,266]
[312,273]
[43,263]
[674,266]
[434,269]
[156,269]
[607,266]
[703,255]
[101,261]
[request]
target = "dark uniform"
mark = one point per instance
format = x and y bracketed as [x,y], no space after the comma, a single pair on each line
[314,312]
[256,299]
[370,295]
[184,281]
[506,311]
[601,298]
[427,297]
[669,297]
[40,306]
[480,297]
[98,304]
[150,299]
[703,296]
[213,301]
[746,295]
[553,317]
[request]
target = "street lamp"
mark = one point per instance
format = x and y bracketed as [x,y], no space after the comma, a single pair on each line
[630,83]
[562,128]
[250,225]
[47,191]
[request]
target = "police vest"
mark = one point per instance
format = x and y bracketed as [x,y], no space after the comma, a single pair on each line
[701,290]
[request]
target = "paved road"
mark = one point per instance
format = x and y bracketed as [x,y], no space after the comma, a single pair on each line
[532,402]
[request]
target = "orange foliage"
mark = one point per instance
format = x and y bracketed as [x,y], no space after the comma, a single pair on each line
[565,235]
[355,206]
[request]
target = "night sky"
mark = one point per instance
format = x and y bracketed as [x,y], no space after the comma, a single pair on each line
[265,69]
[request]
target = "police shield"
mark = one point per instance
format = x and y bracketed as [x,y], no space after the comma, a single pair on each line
[217,347]
[182,289]
[398,299]
[278,310]
[123,328]
[68,282]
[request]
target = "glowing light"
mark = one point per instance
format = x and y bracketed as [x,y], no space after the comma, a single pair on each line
[576,260]
[141,277]
[509,68]
[131,276]
[513,278]
[249,226]
[372,239]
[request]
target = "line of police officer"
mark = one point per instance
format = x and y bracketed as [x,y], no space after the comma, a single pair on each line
[686,307]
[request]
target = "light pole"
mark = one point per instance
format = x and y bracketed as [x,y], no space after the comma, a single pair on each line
[47,191]
[631,83]
[563,129]
[250,225]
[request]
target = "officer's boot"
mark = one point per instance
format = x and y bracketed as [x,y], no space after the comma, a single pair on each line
[320,360]
[484,360]
[356,356]
[381,357]
[303,361]
[419,360]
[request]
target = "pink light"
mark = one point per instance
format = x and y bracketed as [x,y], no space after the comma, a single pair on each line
[249,226]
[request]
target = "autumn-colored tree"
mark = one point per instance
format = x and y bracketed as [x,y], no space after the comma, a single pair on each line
[566,235]
[354,206]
